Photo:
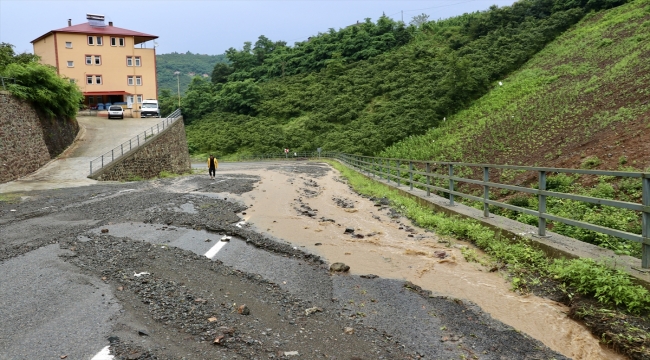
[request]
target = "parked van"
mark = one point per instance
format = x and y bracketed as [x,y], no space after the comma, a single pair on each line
[149,108]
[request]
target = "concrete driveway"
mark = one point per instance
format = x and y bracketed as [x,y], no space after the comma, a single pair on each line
[96,136]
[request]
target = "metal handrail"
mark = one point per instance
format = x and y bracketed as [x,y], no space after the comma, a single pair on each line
[403,170]
[393,170]
[136,141]
[2,80]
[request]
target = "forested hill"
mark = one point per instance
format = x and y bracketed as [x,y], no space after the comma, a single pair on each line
[365,87]
[188,64]
[583,101]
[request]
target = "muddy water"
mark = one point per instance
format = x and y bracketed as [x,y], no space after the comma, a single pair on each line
[388,251]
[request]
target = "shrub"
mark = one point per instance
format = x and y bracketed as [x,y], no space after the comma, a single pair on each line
[590,162]
[40,85]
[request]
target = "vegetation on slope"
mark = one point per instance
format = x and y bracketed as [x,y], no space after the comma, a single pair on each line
[580,102]
[364,106]
[593,76]
[188,64]
[39,84]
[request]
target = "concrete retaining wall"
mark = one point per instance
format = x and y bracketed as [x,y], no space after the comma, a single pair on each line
[167,151]
[27,140]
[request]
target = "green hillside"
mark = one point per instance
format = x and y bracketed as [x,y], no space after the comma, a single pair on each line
[187,64]
[364,106]
[563,106]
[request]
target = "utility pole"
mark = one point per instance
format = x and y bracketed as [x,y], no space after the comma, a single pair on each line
[178,82]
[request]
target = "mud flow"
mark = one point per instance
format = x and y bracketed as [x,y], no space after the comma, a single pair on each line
[310,206]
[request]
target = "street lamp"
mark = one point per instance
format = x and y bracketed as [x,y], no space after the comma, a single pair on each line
[178,82]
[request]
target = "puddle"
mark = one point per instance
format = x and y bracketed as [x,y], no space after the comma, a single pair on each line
[385,249]
[198,241]
[187,208]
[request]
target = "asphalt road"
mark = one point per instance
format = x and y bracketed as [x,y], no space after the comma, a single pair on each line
[97,136]
[141,267]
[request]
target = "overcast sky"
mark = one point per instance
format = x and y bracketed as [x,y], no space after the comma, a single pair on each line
[212,26]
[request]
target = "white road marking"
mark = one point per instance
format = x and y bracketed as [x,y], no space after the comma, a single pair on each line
[105,354]
[215,249]
[140,274]
[239,224]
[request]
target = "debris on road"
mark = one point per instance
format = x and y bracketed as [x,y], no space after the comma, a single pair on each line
[140,274]
[348,330]
[312,310]
[244,310]
[339,267]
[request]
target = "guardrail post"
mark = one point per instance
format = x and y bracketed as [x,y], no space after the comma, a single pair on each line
[541,230]
[122,149]
[486,191]
[411,174]
[451,184]
[399,175]
[91,168]
[112,155]
[102,162]
[428,179]
[138,139]
[645,258]
[130,145]
[157,128]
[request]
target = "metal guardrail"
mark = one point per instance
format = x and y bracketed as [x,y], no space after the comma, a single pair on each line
[407,172]
[133,143]
[5,81]
[283,156]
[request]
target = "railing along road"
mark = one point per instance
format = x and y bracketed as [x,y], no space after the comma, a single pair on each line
[420,174]
[133,143]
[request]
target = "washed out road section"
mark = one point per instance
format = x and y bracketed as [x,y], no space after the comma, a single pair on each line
[146,242]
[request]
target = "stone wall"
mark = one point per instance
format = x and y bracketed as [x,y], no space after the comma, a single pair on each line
[27,140]
[167,151]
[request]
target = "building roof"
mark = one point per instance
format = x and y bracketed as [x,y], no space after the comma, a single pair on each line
[85,28]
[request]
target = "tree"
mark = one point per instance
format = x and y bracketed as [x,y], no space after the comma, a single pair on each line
[221,72]
[418,20]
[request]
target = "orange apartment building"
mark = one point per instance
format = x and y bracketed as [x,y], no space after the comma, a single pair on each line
[103,60]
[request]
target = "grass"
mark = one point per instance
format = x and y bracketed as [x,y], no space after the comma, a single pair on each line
[12,198]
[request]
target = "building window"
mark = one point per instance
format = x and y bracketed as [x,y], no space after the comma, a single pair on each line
[138,80]
[89,60]
[129,80]
[89,79]
[121,41]
[98,79]
[91,40]
[100,40]
[139,99]
[129,61]
[98,60]
[137,61]
[113,41]
[68,44]
[70,63]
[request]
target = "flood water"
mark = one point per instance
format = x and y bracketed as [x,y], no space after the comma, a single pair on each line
[388,251]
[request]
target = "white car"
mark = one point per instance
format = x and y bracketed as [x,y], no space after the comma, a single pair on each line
[115,111]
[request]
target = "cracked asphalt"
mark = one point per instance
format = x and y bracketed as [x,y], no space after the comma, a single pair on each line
[125,266]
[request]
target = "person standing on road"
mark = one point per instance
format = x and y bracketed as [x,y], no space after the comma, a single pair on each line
[213,164]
